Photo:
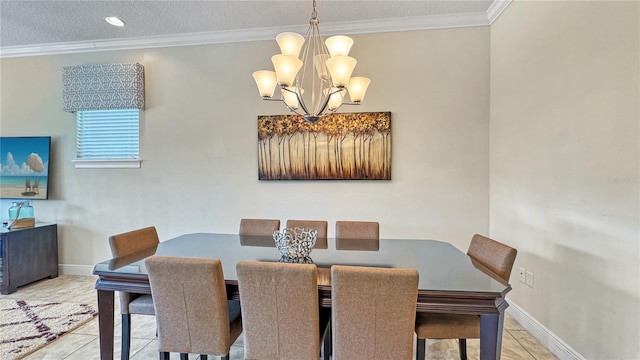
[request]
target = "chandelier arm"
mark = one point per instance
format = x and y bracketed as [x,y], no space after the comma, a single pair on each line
[324,106]
[301,103]
[291,109]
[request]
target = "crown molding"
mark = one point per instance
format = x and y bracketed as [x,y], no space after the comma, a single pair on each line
[258,34]
[496,8]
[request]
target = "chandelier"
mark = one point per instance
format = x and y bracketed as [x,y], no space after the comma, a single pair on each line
[315,84]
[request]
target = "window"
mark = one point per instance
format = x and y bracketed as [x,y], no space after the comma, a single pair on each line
[108,138]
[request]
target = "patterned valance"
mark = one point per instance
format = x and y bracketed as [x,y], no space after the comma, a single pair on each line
[103,87]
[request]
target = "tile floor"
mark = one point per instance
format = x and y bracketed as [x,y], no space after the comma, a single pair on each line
[82,344]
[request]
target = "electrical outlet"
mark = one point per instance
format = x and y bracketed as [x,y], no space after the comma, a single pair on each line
[522,275]
[529,278]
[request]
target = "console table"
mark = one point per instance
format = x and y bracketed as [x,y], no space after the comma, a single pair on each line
[27,255]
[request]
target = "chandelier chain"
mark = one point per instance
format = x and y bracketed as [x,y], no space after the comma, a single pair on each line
[314,14]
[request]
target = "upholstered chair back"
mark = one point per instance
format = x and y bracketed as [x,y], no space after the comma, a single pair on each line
[319,225]
[192,312]
[495,256]
[280,310]
[122,245]
[373,312]
[263,227]
[133,241]
[357,235]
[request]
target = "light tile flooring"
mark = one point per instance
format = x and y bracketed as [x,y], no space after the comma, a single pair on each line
[82,344]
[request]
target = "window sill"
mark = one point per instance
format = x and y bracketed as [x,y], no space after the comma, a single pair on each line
[107,163]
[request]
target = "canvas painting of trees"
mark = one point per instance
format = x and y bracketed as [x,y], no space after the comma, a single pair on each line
[349,146]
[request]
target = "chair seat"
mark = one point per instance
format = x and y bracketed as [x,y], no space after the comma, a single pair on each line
[447,326]
[143,305]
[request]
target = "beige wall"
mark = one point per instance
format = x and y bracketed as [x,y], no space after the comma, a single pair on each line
[199,143]
[565,166]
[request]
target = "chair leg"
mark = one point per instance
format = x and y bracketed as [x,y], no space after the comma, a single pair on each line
[203,357]
[164,356]
[126,336]
[328,345]
[462,345]
[184,356]
[421,349]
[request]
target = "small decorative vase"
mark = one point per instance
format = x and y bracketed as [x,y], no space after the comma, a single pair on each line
[21,215]
[295,244]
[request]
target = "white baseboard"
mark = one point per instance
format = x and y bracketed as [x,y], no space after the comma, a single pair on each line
[547,338]
[68,269]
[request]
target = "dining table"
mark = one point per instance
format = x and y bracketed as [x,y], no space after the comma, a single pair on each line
[449,280]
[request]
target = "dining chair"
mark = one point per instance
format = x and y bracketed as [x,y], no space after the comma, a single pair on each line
[263,227]
[319,225]
[491,256]
[142,304]
[357,235]
[192,311]
[281,315]
[373,312]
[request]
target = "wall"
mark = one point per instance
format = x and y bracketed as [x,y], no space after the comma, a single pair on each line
[199,143]
[565,166]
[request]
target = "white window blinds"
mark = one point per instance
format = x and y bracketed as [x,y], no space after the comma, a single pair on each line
[108,134]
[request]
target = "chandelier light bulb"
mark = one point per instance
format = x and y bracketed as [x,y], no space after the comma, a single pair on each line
[266,81]
[339,45]
[290,43]
[357,88]
[335,99]
[320,62]
[290,97]
[287,68]
[340,67]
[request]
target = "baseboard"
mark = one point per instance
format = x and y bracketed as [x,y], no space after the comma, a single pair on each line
[547,338]
[68,269]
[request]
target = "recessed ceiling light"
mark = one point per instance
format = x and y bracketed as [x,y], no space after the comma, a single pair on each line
[114,20]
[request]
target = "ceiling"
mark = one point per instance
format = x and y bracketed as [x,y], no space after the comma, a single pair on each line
[41,27]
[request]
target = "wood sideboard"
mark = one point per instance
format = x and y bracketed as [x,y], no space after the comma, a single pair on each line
[27,255]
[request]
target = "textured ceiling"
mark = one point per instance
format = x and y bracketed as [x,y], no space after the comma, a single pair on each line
[25,23]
